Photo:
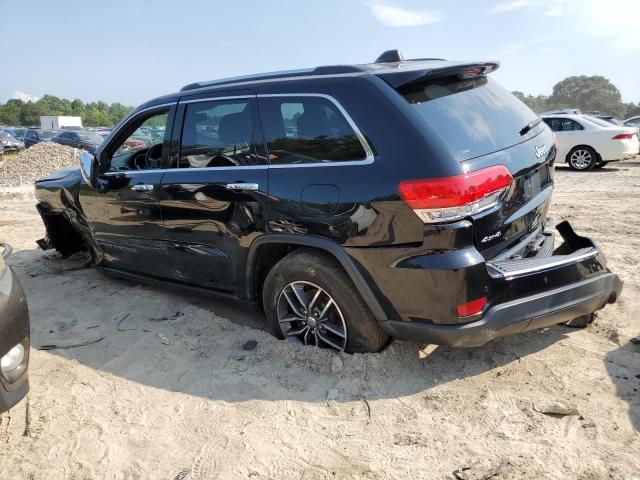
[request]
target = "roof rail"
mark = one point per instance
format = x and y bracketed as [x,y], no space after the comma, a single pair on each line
[324,70]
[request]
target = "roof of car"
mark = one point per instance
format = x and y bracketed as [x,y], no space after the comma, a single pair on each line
[401,70]
[390,66]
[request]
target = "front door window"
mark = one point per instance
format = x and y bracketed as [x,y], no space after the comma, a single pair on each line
[142,149]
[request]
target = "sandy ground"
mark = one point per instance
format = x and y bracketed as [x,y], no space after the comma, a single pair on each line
[200,407]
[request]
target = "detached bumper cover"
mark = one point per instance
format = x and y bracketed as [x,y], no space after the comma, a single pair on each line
[537,311]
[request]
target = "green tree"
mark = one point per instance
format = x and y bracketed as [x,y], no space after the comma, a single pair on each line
[588,94]
[31,113]
[11,111]
[537,103]
[17,112]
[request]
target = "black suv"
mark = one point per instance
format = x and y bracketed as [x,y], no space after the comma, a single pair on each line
[403,198]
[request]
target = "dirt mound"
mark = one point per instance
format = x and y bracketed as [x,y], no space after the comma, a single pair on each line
[36,162]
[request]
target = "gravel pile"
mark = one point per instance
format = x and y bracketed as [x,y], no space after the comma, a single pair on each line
[36,162]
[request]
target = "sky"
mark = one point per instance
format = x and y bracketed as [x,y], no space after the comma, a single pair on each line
[131,51]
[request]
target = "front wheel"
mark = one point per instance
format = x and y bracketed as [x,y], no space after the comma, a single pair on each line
[601,165]
[309,298]
[582,158]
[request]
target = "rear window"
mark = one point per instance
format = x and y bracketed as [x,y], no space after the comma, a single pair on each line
[474,117]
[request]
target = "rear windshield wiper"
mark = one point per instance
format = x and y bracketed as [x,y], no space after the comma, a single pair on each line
[530,126]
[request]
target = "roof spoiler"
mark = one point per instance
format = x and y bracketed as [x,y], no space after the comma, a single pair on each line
[416,72]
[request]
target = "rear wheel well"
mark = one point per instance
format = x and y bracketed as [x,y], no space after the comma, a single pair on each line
[268,255]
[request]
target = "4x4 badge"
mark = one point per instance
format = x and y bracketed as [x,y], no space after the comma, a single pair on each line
[488,238]
[541,151]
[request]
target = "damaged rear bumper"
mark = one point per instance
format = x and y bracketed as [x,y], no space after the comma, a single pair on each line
[537,311]
[527,294]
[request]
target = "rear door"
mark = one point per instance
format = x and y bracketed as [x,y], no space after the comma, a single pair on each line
[214,196]
[485,125]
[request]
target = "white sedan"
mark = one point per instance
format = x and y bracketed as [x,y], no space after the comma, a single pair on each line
[585,142]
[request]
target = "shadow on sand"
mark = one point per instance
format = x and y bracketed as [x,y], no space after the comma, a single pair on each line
[71,304]
[623,365]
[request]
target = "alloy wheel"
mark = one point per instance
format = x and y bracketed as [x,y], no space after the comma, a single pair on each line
[307,313]
[581,159]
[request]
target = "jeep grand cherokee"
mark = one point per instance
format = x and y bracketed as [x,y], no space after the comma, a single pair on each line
[402,198]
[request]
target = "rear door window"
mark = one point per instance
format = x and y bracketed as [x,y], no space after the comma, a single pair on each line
[474,117]
[220,133]
[308,129]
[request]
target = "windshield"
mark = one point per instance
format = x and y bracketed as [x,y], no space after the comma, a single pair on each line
[90,137]
[474,116]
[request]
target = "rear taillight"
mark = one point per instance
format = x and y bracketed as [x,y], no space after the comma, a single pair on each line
[452,198]
[624,136]
[471,308]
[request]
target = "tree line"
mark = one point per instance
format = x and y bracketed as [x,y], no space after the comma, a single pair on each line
[593,93]
[93,114]
[589,94]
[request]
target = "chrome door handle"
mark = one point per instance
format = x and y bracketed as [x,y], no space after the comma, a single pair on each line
[142,188]
[242,186]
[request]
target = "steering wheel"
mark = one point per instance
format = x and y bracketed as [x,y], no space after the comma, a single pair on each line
[153,155]
[139,161]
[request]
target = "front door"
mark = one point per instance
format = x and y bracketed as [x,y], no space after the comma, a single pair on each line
[214,198]
[123,209]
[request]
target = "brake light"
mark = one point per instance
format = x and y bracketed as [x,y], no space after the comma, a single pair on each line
[452,198]
[471,308]
[624,136]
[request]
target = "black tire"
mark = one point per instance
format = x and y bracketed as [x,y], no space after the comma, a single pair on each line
[601,165]
[582,158]
[582,321]
[363,333]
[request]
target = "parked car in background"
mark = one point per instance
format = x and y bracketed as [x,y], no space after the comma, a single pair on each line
[17,132]
[14,336]
[10,143]
[446,242]
[132,143]
[606,118]
[36,135]
[632,122]
[79,139]
[585,143]
[564,111]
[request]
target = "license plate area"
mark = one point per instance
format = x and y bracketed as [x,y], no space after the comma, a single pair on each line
[575,249]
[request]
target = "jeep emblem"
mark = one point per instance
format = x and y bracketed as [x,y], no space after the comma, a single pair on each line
[541,151]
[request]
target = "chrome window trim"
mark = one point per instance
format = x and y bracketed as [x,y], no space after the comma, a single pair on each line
[186,169]
[369,158]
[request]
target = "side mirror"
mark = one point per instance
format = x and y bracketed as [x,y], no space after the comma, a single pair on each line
[88,168]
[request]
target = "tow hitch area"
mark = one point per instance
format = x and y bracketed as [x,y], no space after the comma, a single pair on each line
[574,249]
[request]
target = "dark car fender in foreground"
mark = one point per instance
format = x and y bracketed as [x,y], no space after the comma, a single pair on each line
[14,336]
